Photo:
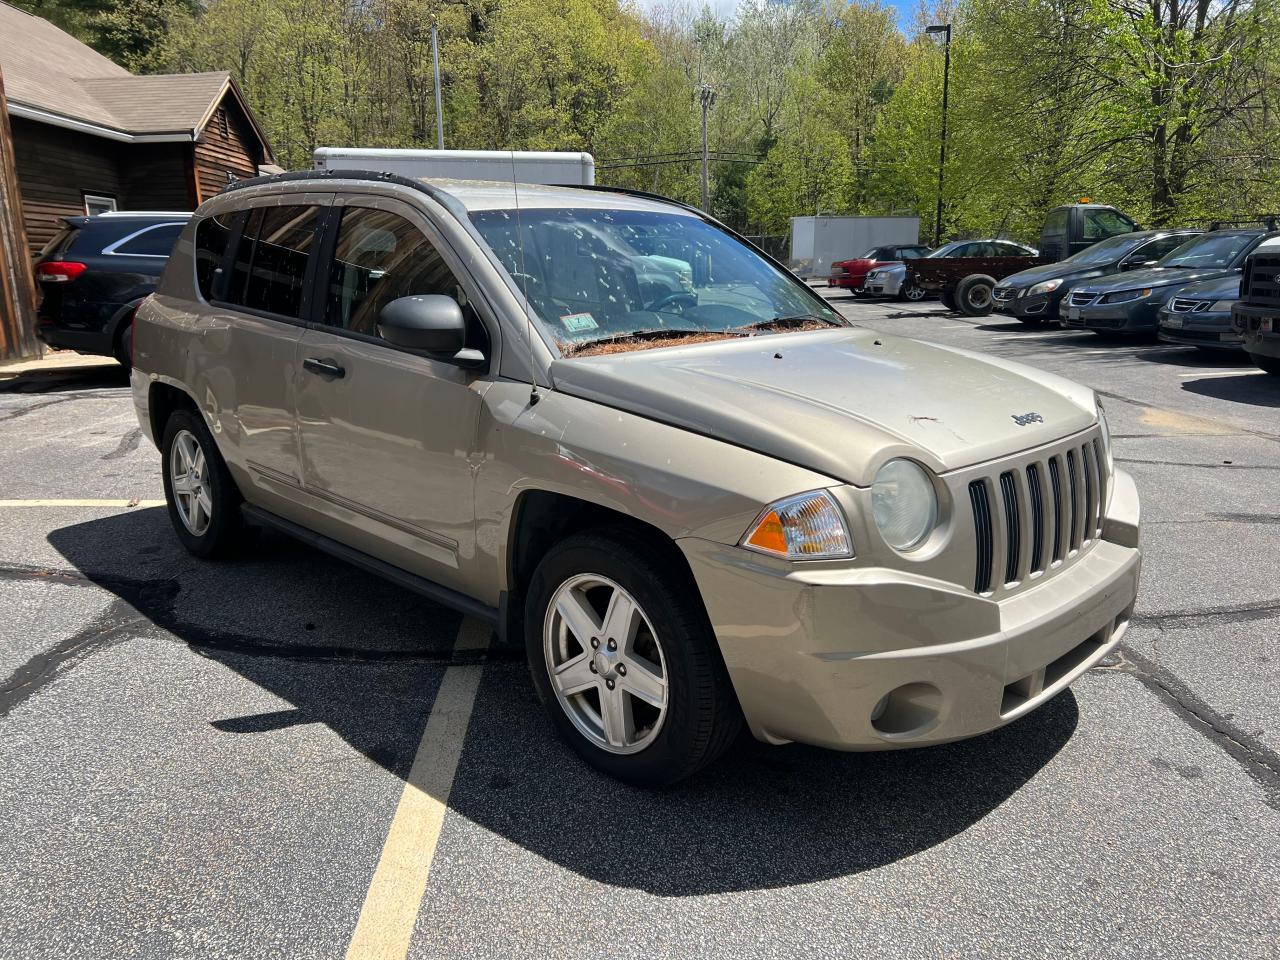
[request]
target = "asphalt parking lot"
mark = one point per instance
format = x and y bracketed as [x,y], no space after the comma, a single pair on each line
[210,760]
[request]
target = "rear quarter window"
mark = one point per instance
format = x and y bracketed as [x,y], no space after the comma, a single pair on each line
[156,241]
[213,234]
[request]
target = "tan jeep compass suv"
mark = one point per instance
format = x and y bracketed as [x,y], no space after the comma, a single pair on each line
[606,424]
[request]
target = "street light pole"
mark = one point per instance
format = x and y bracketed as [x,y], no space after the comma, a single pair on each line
[708,97]
[945,30]
[435,68]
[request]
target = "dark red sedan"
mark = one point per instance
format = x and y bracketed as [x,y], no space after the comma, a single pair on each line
[852,274]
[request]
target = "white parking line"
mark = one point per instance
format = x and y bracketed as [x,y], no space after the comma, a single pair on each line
[1219,373]
[82,503]
[400,881]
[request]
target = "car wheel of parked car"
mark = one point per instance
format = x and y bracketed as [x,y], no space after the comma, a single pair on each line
[623,657]
[1270,364]
[204,503]
[124,345]
[973,295]
[913,293]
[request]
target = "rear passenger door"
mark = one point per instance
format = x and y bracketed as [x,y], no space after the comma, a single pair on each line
[254,267]
[388,433]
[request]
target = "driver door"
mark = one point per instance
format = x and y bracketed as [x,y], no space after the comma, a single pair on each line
[387,435]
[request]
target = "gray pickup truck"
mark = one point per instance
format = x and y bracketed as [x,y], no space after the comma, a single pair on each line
[610,427]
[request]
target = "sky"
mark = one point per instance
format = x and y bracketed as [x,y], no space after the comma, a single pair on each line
[724,8]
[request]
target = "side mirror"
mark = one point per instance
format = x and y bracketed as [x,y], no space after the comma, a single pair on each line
[432,323]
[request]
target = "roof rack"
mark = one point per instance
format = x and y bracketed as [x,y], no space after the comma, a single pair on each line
[1269,221]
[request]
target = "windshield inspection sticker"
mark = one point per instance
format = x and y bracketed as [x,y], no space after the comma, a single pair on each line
[578,322]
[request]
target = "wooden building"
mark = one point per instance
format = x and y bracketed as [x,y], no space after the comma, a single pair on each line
[88,136]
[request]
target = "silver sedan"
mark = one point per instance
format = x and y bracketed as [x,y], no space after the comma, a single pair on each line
[891,281]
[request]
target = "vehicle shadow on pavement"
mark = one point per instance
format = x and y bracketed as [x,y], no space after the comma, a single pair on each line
[1252,386]
[75,378]
[364,658]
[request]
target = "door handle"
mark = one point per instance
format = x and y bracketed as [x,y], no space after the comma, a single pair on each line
[324,368]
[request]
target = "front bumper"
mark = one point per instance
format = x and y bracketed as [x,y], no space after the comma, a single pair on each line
[874,659]
[1259,328]
[883,287]
[1138,316]
[847,281]
[1210,331]
[1041,305]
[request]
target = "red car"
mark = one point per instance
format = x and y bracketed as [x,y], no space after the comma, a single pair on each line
[852,274]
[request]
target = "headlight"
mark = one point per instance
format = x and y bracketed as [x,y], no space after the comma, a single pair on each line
[1124,296]
[904,504]
[808,526]
[1047,287]
[1106,437]
[873,275]
[1222,306]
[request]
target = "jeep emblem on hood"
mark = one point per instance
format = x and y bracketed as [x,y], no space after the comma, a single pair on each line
[1022,419]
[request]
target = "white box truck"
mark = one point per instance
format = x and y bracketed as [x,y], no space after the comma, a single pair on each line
[816,242]
[530,166]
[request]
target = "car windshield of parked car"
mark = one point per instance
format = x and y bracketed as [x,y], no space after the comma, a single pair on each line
[634,278]
[1106,251]
[1214,250]
[947,248]
[913,253]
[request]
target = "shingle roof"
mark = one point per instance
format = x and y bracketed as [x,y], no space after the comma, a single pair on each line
[49,70]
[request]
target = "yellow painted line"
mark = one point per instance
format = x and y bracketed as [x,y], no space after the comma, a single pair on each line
[400,881]
[81,503]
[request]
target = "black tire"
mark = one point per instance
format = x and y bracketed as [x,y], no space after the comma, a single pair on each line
[1270,364]
[702,715]
[973,295]
[948,298]
[124,345]
[226,529]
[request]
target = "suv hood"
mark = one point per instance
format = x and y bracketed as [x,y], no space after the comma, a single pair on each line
[1050,271]
[1157,277]
[839,402]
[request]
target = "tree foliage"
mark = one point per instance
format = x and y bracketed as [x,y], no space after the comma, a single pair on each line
[1165,108]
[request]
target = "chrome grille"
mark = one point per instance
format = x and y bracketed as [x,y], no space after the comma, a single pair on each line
[1037,516]
[1001,294]
[1082,298]
[1180,305]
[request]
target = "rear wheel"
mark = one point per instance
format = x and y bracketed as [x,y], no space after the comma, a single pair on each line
[1269,364]
[204,504]
[624,659]
[973,295]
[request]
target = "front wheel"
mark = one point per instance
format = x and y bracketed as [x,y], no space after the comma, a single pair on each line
[912,293]
[624,659]
[973,295]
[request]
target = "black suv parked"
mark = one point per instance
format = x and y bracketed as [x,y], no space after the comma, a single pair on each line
[1034,295]
[95,272]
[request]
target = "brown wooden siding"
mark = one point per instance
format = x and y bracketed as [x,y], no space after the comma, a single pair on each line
[55,167]
[238,154]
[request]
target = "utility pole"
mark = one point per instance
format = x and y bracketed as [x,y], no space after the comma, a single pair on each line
[435,66]
[945,30]
[708,96]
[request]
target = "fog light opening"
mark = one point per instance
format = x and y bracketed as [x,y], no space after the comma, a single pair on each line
[910,710]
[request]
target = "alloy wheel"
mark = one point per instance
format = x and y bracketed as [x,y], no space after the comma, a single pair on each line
[189,480]
[605,663]
[914,293]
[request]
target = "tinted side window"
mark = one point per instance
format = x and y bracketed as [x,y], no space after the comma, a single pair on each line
[155,242]
[1100,224]
[271,259]
[1158,248]
[212,236]
[380,257]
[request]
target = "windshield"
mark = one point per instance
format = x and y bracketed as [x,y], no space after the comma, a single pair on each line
[1214,250]
[606,275]
[946,248]
[1104,251]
